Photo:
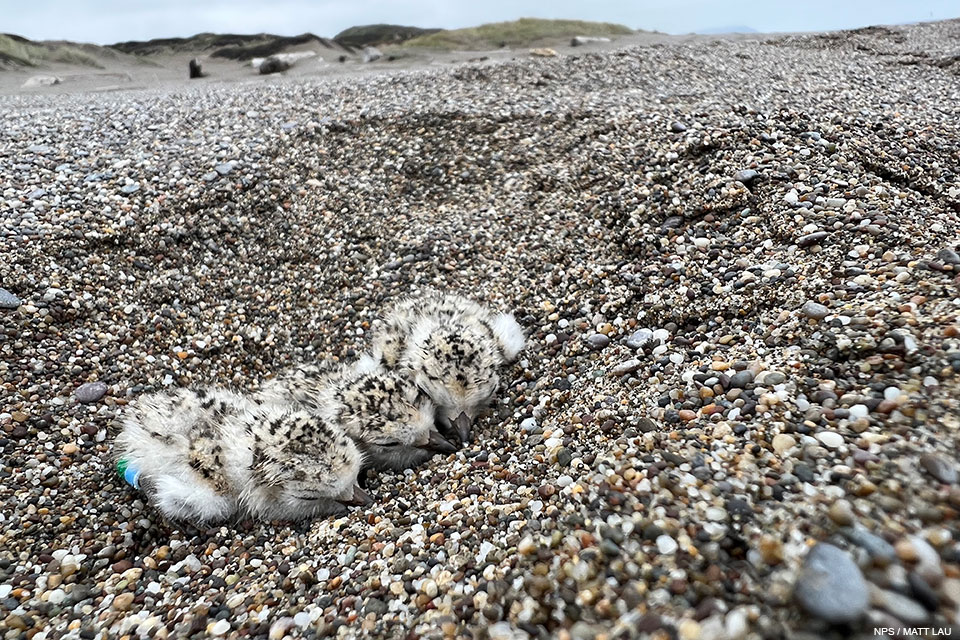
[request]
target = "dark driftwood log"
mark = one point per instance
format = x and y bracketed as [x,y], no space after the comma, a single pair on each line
[195,70]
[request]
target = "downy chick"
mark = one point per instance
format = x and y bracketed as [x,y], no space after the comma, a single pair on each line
[452,349]
[211,454]
[389,419]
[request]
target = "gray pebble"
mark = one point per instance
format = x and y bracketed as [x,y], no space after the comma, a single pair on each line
[8,300]
[811,238]
[900,606]
[90,392]
[598,341]
[639,338]
[814,310]
[741,379]
[948,256]
[939,467]
[625,367]
[881,551]
[831,586]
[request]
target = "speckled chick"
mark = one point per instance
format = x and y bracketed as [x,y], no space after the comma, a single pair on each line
[452,349]
[389,419]
[209,455]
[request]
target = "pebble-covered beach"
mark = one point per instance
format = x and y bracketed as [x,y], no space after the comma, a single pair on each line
[738,414]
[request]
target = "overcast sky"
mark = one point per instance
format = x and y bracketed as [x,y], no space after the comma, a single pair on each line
[109,21]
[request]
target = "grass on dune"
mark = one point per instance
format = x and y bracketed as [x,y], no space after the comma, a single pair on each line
[516,33]
[22,52]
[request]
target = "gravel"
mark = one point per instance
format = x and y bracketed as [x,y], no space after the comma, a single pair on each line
[596,196]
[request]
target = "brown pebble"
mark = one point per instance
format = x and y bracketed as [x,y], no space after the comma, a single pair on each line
[546,490]
[841,513]
[687,415]
[121,566]
[905,551]
[123,601]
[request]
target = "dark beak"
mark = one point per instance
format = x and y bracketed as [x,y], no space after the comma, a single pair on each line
[440,444]
[444,426]
[463,422]
[358,499]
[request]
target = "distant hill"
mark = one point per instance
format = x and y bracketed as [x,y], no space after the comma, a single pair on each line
[16,51]
[734,29]
[379,34]
[229,45]
[517,33]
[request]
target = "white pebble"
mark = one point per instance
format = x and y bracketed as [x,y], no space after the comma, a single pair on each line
[830,439]
[859,411]
[666,545]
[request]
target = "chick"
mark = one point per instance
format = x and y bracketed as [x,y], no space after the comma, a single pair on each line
[390,420]
[451,348]
[209,455]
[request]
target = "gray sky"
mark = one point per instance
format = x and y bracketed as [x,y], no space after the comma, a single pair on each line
[109,21]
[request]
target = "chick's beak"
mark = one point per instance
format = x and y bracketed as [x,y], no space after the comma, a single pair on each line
[355,498]
[440,444]
[463,422]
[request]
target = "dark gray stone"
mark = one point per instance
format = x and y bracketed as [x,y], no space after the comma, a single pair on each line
[812,238]
[741,379]
[598,341]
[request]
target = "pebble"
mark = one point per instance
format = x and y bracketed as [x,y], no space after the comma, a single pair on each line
[123,601]
[900,606]
[639,338]
[842,513]
[279,628]
[812,238]
[830,585]
[666,545]
[939,467]
[783,443]
[625,367]
[219,628]
[598,341]
[814,310]
[830,439]
[881,551]
[8,300]
[741,379]
[90,392]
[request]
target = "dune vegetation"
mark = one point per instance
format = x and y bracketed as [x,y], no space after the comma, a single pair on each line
[516,33]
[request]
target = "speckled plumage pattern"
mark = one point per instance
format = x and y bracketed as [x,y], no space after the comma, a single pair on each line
[391,420]
[210,454]
[450,347]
